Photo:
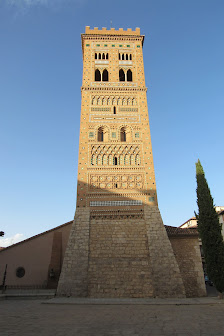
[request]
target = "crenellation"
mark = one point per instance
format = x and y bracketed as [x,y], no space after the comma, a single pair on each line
[112,31]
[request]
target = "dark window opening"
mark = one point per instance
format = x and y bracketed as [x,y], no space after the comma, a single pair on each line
[97,75]
[123,57]
[107,56]
[119,56]
[95,55]
[123,135]
[20,272]
[103,57]
[121,75]
[114,110]
[100,134]
[115,185]
[130,57]
[126,56]
[115,161]
[129,76]
[99,56]
[105,75]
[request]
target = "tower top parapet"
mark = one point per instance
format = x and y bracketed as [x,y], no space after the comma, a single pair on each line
[112,31]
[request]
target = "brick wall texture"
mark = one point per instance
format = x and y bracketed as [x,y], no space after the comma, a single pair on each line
[129,258]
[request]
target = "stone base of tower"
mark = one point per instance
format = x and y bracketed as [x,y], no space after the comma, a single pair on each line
[120,256]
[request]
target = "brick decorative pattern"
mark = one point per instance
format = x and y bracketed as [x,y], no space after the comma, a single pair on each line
[118,245]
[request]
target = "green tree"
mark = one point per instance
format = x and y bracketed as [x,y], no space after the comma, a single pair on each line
[210,231]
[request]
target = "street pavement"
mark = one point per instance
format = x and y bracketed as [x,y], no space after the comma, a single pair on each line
[32,317]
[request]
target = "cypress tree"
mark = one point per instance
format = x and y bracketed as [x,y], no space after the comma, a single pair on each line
[209,230]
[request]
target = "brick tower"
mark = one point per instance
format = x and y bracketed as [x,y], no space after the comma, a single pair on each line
[118,246]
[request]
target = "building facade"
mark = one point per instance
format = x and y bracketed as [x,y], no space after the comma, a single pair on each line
[118,245]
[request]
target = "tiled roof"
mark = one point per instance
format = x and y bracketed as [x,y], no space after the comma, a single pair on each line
[176,231]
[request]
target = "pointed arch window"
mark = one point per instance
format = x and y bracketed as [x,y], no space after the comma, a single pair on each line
[130,57]
[129,75]
[115,161]
[122,57]
[126,56]
[123,134]
[105,75]
[107,56]
[100,134]
[119,56]
[95,55]
[97,75]
[99,56]
[114,109]
[121,75]
[103,56]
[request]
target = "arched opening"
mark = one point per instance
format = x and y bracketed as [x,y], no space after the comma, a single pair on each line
[115,185]
[97,75]
[130,57]
[123,134]
[103,57]
[105,75]
[126,56]
[95,55]
[122,57]
[99,56]
[119,56]
[114,109]
[121,75]
[107,56]
[129,76]
[115,161]
[100,134]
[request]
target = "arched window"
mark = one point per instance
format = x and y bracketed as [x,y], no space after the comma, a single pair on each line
[123,134]
[99,56]
[126,56]
[97,75]
[100,134]
[129,76]
[95,55]
[123,57]
[119,56]
[115,161]
[107,56]
[121,75]
[103,57]
[114,109]
[130,57]
[105,75]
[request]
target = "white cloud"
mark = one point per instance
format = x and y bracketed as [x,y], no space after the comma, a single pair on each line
[4,242]
[47,3]
[24,6]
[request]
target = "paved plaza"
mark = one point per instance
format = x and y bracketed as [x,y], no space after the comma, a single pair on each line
[32,317]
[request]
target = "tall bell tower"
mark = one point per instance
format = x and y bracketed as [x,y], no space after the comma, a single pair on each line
[118,245]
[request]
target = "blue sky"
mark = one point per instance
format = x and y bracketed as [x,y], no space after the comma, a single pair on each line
[41,72]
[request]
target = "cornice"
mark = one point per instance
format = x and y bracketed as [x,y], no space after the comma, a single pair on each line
[130,89]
